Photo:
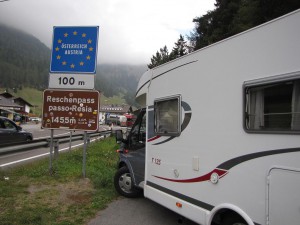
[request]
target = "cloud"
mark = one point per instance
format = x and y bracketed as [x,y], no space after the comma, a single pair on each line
[131,31]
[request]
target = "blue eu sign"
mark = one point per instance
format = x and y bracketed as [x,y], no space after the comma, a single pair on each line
[74,50]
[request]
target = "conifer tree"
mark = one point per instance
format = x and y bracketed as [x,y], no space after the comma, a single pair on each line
[159,58]
[180,48]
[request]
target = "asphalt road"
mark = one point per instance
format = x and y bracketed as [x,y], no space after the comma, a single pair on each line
[16,158]
[137,211]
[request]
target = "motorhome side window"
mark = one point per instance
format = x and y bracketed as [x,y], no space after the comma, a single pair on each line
[273,107]
[167,116]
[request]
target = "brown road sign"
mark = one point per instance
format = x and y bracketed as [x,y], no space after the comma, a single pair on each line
[71,110]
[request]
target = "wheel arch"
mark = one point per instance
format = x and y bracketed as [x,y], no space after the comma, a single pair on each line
[127,164]
[122,164]
[226,209]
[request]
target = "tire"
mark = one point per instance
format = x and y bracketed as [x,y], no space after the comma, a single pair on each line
[233,219]
[124,185]
[28,139]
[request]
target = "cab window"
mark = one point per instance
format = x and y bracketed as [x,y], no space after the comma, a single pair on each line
[138,132]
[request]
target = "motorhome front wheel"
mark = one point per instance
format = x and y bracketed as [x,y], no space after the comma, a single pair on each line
[124,185]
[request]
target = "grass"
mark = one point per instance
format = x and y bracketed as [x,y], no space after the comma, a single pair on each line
[30,195]
[119,100]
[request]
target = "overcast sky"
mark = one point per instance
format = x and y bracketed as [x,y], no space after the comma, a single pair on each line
[130,31]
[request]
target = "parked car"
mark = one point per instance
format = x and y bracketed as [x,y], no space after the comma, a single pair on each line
[35,119]
[10,132]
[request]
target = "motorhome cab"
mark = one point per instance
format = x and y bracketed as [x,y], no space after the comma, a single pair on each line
[221,131]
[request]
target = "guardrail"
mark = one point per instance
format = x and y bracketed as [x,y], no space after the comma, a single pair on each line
[45,142]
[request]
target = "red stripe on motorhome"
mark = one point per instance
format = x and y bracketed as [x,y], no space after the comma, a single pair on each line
[206,177]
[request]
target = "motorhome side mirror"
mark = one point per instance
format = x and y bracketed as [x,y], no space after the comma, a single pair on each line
[119,136]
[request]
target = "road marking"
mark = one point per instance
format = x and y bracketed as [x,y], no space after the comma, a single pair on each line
[37,156]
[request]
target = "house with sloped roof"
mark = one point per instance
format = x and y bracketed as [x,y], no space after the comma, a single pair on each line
[11,106]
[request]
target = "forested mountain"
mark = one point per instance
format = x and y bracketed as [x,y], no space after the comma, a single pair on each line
[119,80]
[25,62]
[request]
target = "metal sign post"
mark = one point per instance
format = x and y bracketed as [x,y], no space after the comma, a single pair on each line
[70,143]
[84,155]
[50,155]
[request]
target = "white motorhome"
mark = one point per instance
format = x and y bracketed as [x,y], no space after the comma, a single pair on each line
[223,124]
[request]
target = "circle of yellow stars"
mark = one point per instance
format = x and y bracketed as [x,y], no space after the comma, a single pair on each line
[81,63]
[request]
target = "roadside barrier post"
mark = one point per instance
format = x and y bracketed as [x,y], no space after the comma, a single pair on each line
[50,155]
[88,139]
[56,148]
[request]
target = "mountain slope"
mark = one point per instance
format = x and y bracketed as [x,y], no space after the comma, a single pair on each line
[25,62]
[119,80]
